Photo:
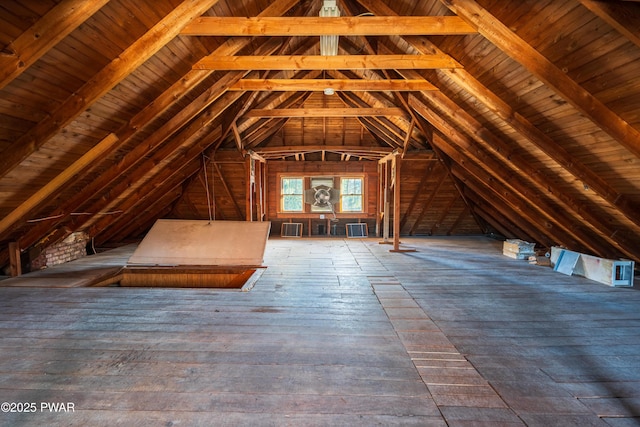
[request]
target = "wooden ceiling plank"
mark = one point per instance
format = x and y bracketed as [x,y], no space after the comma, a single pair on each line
[445,213]
[135,194]
[313,26]
[119,68]
[36,41]
[511,210]
[519,123]
[534,209]
[422,187]
[87,161]
[512,45]
[159,105]
[619,15]
[490,151]
[187,138]
[318,85]
[141,151]
[427,204]
[327,112]
[319,62]
[142,210]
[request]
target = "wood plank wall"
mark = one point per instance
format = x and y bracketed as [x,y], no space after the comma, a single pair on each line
[430,202]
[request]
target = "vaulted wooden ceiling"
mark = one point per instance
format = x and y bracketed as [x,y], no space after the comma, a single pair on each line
[108,107]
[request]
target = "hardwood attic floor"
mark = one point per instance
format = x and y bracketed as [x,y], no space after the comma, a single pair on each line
[335,332]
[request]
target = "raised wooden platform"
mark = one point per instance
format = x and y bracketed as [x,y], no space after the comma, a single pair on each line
[335,332]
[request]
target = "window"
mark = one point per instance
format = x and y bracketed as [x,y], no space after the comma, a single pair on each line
[351,195]
[292,195]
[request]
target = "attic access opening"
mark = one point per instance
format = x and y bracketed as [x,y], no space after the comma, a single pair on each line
[185,277]
[197,254]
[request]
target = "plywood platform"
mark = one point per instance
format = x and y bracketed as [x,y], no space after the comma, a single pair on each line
[335,332]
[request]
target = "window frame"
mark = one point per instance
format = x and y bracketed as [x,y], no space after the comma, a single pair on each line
[361,194]
[300,195]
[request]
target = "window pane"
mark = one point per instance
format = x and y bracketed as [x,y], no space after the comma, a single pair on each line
[351,194]
[352,203]
[352,186]
[292,203]
[292,194]
[291,185]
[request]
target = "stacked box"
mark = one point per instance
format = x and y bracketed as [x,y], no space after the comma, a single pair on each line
[518,249]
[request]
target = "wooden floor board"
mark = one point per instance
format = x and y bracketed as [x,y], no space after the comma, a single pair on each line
[335,332]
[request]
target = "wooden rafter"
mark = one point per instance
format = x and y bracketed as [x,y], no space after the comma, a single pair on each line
[190,141]
[484,197]
[382,126]
[489,146]
[618,15]
[558,225]
[117,70]
[319,62]
[515,47]
[519,123]
[140,152]
[139,121]
[30,46]
[320,85]
[327,26]
[87,161]
[154,176]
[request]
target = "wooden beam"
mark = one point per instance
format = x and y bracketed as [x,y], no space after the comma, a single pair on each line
[43,194]
[249,165]
[237,137]
[15,264]
[117,70]
[517,122]
[407,139]
[355,149]
[326,112]
[36,41]
[338,62]
[386,208]
[397,200]
[515,47]
[184,146]
[489,149]
[622,17]
[313,26]
[256,156]
[228,190]
[168,98]
[319,85]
